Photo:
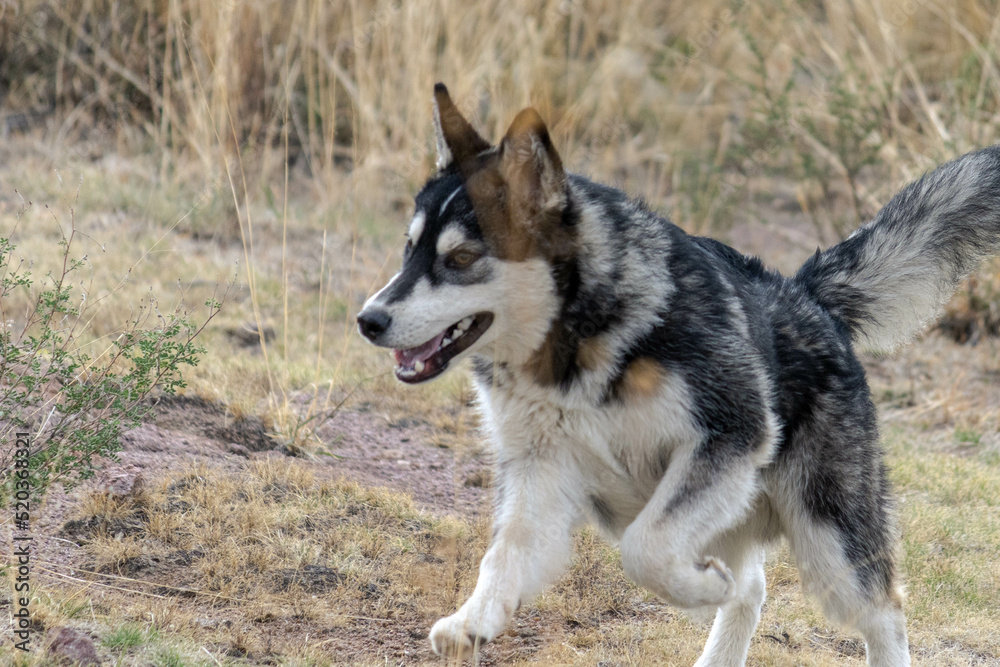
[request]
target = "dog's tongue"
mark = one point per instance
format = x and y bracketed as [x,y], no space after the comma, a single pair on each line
[407,358]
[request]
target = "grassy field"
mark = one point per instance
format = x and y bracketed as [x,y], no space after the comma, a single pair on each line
[272,150]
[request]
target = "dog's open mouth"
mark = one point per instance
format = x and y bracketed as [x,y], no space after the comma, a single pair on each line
[421,363]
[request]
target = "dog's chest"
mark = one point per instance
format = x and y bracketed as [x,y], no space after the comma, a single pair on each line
[611,454]
[537,422]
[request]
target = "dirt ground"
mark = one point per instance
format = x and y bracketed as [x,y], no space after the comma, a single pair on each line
[194,435]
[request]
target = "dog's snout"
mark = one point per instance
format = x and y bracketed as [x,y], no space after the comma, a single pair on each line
[372,323]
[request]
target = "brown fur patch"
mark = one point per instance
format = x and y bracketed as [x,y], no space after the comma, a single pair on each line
[519,193]
[592,354]
[552,360]
[515,233]
[642,379]
[508,238]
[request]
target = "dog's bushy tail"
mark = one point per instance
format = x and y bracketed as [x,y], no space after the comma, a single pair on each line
[890,277]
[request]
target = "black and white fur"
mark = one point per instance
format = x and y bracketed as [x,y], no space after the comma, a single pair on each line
[691,403]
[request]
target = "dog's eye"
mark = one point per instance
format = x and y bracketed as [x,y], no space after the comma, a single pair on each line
[461,259]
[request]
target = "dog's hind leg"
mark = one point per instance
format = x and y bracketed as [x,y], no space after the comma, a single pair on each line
[884,629]
[845,555]
[854,588]
[736,620]
[852,592]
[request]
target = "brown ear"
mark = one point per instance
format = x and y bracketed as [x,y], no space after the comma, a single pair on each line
[456,140]
[531,167]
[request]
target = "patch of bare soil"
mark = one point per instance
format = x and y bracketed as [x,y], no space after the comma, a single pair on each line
[197,416]
[399,455]
[191,435]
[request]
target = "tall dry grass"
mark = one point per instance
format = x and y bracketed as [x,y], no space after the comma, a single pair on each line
[684,103]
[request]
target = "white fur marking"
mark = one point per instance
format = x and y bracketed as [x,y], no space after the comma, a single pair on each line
[448,201]
[417,227]
[449,239]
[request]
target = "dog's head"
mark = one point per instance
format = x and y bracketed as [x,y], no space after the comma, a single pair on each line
[480,268]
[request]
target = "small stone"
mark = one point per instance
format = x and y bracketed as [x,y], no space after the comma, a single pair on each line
[124,484]
[72,646]
[249,335]
[238,449]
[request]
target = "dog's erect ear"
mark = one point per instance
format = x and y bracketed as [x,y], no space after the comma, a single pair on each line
[456,140]
[531,167]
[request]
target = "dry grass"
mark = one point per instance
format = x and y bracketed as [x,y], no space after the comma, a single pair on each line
[273,546]
[260,539]
[248,565]
[676,102]
[278,145]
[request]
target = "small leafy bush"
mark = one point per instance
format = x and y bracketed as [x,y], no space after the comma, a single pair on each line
[74,406]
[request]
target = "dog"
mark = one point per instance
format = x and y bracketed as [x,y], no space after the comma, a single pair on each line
[691,403]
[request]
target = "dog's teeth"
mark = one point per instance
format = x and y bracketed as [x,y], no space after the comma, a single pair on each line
[418,367]
[465,324]
[446,342]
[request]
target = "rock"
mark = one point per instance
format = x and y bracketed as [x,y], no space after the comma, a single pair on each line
[212,623]
[123,483]
[72,646]
[238,449]
[249,335]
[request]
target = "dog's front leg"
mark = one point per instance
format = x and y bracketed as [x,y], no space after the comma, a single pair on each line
[537,510]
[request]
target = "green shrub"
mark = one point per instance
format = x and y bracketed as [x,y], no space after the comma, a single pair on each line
[73,406]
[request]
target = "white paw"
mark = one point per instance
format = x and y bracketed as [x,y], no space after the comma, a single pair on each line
[453,638]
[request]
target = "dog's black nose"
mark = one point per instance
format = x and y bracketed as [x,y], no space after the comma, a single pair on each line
[372,323]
